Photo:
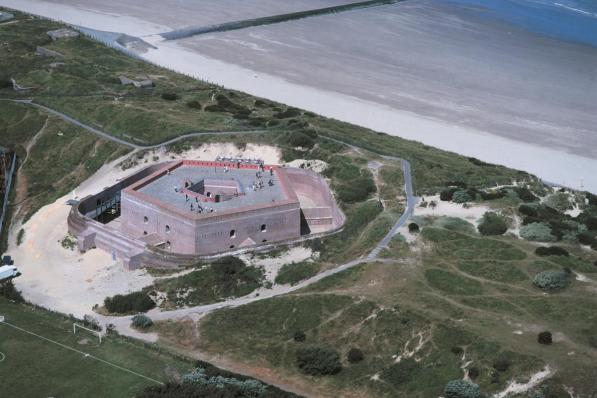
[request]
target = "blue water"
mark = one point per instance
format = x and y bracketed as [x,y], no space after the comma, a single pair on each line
[570,20]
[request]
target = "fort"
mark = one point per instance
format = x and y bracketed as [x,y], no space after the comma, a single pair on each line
[178,213]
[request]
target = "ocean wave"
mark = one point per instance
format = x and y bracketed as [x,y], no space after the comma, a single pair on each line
[577,10]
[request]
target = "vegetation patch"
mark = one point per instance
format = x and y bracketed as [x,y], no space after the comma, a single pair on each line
[318,360]
[551,281]
[296,272]
[493,224]
[452,283]
[129,303]
[224,278]
[498,271]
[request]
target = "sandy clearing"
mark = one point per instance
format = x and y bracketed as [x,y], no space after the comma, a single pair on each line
[272,265]
[67,281]
[515,387]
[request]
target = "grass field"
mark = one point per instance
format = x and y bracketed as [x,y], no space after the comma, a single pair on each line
[460,297]
[35,367]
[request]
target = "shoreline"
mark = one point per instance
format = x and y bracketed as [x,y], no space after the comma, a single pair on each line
[557,167]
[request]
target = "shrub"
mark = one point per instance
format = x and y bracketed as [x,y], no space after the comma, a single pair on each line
[473,373]
[551,281]
[591,223]
[357,190]
[461,197]
[92,323]
[527,210]
[447,194]
[492,195]
[586,238]
[544,338]
[413,227]
[559,201]
[9,291]
[537,231]
[492,224]
[355,355]
[133,302]
[318,360]
[300,139]
[20,236]
[299,336]
[141,321]
[462,389]
[525,194]
[170,96]
[295,272]
[194,105]
[501,364]
[551,251]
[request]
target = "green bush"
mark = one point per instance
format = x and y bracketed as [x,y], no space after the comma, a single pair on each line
[501,364]
[537,231]
[299,336]
[413,227]
[544,338]
[525,194]
[447,194]
[551,251]
[296,272]
[132,302]
[528,210]
[551,281]
[357,190]
[586,238]
[170,96]
[461,197]
[462,389]
[493,224]
[9,291]
[300,139]
[141,321]
[355,355]
[194,104]
[559,201]
[318,360]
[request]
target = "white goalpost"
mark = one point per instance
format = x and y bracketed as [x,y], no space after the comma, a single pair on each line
[97,333]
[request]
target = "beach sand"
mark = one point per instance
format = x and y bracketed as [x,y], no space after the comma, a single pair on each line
[420,70]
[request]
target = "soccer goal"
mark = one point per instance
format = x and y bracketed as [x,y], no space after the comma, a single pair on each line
[95,332]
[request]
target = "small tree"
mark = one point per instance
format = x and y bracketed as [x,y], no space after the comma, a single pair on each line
[551,251]
[141,321]
[493,224]
[299,336]
[318,360]
[544,338]
[501,364]
[586,238]
[413,228]
[538,232]
[355,355]
[461,197]
[551,281]
[559,201]
[462,389]
[473,373]
[169,96]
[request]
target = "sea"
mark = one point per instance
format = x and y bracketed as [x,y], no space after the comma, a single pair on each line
[570,20]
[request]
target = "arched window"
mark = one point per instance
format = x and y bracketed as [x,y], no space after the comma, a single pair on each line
[232,246]
[144,232]
[168,245]
[167,229]
[232,233]
[263,228]
[145,220]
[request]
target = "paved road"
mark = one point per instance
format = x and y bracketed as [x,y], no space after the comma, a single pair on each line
[120,141]
[123,323]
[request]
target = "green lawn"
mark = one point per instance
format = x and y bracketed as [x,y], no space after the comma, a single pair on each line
[35,367]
